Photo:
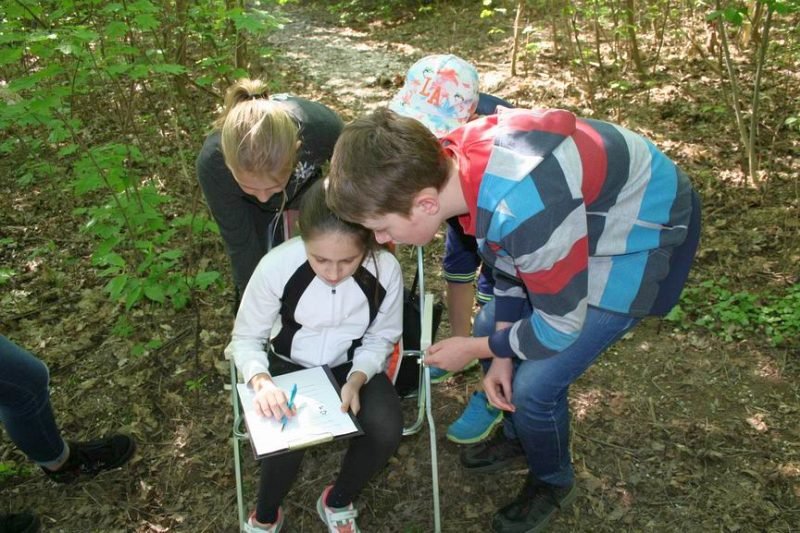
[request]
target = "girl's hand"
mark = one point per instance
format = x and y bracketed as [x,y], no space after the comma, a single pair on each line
[350,399]
[497,383]
[271,401]
[454,353]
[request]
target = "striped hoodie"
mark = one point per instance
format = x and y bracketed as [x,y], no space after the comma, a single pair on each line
[569,212]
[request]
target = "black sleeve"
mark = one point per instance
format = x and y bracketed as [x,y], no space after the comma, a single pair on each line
[487,104]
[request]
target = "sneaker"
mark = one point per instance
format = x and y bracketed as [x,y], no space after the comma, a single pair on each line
[439,375]
[19,523]
[533,508]
[476,422]
[254,527]
[91,458]
[497,453]
[339,520]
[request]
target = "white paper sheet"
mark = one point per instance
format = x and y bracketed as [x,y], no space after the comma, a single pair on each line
[319,416]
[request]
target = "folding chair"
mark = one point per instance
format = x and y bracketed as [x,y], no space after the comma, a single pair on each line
[240,435]
[424,408]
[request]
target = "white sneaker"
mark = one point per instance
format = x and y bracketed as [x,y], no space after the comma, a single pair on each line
[252,527]
[339,520]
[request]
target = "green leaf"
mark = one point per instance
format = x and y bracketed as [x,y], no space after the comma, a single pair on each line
[168,68]
[85,35]
[155,292]
[146,22]
[115,29]
[10,55]
[134,295]
[172,254]
[138,350]
[116,286]
[204,279]
[5,275]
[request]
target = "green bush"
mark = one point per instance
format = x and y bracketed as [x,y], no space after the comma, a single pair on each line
[737,315]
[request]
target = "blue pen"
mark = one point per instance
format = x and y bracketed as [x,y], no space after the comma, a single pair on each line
[290,405]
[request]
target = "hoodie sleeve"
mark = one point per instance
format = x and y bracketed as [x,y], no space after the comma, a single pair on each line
[254,321]
[385,331]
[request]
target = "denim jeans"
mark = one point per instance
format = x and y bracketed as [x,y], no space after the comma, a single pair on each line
[540,387]
[25,405]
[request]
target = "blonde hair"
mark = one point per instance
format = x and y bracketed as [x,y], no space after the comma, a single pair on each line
[258,135]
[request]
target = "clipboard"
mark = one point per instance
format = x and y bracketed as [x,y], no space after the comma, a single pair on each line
[319,417]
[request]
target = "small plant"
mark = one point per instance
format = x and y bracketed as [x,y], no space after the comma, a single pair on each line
[193,385]
[6,274]
[9,470]
[738,315]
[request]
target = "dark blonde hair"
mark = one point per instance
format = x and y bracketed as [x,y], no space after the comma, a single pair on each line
[257,135]
[316,219]
[380,162]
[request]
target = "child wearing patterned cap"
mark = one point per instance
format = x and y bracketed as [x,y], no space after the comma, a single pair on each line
[441,91]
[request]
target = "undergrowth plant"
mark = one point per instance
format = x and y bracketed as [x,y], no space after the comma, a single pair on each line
[99,109]
[737,315]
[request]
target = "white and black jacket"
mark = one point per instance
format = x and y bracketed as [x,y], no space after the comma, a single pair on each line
[311,323]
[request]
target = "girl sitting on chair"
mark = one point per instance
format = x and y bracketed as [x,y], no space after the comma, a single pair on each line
[338,297]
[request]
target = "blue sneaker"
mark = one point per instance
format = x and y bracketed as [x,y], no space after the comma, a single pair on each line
[476,422]
[439,375]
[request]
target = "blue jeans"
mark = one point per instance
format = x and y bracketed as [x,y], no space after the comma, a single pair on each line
[25,405]
[540,387]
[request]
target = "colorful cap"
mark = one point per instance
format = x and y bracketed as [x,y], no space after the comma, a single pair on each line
[441,91]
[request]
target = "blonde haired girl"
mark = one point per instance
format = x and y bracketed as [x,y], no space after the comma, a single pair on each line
[263,154]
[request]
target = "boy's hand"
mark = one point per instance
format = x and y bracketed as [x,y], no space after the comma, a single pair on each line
[350,398]
[454,353]
[497,383]
[271,400]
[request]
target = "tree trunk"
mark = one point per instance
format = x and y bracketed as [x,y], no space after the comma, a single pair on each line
[515,48]
[630,17]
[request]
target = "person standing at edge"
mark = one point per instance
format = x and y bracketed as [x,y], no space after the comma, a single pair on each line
[263,154]
[588,228]
[28,418]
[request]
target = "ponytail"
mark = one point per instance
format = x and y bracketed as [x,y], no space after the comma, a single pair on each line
[258,135]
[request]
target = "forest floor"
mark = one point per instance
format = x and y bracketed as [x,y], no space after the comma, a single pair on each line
[673,429]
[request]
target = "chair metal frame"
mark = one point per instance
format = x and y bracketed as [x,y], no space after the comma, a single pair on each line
[424,409]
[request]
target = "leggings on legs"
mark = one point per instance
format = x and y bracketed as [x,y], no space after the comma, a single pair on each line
[381,420]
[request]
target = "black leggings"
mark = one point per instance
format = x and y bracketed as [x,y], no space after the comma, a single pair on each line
[380,418]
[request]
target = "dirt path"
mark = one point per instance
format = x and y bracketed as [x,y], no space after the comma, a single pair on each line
[348,66]
[357,70]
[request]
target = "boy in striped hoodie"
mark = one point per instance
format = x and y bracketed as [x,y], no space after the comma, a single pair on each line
[587,226]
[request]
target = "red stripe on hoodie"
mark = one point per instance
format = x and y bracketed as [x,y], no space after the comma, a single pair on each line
[555,121]
[594,160]
[555,278]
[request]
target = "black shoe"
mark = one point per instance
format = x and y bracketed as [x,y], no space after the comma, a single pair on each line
[497,453]
[91,458]
[534,507]
[19,523]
